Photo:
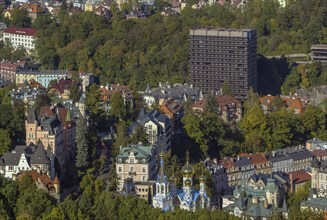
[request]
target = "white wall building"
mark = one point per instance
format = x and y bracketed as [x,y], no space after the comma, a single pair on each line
[20,37]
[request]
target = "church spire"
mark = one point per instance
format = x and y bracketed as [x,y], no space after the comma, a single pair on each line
[161,176]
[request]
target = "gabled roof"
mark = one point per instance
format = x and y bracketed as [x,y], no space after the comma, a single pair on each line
[40,156]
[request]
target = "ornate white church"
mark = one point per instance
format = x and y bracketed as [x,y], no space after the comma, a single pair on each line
[167,197]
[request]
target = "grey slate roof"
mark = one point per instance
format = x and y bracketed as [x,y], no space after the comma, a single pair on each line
[154,116]
[174,92]
[34,155]
[300,155]
[242,161]
[279,156]
[50,124]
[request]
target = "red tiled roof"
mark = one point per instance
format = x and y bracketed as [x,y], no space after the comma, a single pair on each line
[221,100]
[21,31]
[320,153]
[61,85]
[46,112]
[228,163]
[300,176]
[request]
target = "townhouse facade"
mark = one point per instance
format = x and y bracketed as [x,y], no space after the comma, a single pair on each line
[43,77]
[8,69]
[136,162]
[319,175]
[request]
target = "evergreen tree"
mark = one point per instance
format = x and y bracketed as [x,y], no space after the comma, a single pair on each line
[139,135]
[5,141]
[82,152]
[212,104]
[226,89]
[118,108]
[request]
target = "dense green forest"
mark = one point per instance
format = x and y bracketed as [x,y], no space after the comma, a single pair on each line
[145,51]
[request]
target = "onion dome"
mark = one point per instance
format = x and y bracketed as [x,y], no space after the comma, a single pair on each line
[202,178]
[188,182]
[172,179]
[187,169]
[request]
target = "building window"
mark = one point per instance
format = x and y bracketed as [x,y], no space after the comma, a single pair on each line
[144,178]
[143,169]
[119,169]
[131,169]
[131,160]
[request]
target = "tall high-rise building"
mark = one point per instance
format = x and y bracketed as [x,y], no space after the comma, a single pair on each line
[218,55]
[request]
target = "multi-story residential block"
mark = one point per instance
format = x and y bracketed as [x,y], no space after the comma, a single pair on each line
[53,126]
[218,55]
[24,158]
[280,162]
[20,37]
[43,77]
[158,128]
[301,159]
[230,109]
[178,93]
[238,169]
[136,162]
[8,69]
[259,161]
[319,175]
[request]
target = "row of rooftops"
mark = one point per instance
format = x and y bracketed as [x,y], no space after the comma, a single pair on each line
[297,153]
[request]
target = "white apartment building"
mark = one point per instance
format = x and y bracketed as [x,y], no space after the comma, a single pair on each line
[20,37]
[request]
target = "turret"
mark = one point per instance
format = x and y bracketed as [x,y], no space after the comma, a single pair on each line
[202,184]
[56,184]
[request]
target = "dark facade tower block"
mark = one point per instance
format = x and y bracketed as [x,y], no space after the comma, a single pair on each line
[217,55]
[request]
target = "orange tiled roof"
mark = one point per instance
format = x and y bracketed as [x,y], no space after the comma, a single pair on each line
[170,107]
[266,100]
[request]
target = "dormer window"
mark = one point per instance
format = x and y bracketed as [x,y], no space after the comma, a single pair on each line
[131,160]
